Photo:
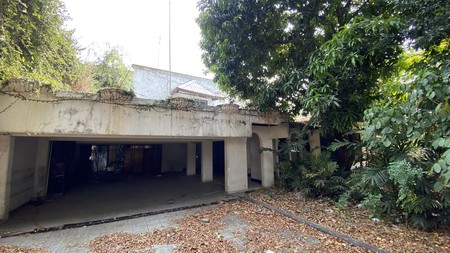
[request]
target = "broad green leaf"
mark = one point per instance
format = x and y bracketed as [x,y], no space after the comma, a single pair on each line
[438,186]
[378,125]
[437,168]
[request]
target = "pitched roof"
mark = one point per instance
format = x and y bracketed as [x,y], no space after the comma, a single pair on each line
[194,88]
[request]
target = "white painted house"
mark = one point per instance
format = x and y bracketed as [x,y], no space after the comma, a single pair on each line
[151,83]
[46,136]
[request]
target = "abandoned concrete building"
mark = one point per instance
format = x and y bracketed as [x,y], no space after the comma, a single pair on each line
[52,141]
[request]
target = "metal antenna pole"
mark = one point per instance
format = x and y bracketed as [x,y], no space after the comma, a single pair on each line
[170,50]
[159,48]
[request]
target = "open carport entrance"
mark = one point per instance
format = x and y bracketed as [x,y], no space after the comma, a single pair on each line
[73,164]
[104,180]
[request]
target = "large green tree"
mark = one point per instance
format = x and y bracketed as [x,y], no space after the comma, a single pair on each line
[261,50]
[345,71]
[111,71]
[35,44]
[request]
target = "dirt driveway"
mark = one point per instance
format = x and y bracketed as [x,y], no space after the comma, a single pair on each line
[266,221]
[233,226]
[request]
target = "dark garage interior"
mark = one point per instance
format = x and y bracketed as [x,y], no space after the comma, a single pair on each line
[73,164]
[95,181]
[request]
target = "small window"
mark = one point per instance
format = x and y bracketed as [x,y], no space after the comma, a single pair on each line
[200,103]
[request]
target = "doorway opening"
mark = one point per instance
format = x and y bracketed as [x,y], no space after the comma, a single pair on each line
[254,158]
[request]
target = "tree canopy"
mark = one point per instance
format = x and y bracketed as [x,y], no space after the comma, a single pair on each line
[261,50]
[321,57]
[382,62]
[111,71]
[35,44]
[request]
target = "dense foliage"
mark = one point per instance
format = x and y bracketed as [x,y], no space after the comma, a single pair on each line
[408,143]
[261,50]
[34,43]
[384,63]
[313,175]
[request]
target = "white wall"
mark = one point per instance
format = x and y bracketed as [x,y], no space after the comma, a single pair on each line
[6,156]
[174,157]
[236,165]
[23,171]
[151,83]
[41,171]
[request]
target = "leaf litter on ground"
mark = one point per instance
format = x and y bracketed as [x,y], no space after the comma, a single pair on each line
[356,222]
[241,226]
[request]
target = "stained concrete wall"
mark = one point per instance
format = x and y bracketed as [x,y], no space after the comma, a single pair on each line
[174,157]
[235,165]
[207,161]
[267,135]
[6,157]
[94,119]
[23,171]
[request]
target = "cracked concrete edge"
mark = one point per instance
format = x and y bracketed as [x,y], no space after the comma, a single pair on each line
[316,226]
[115,219]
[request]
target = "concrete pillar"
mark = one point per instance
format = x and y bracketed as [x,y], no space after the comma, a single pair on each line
[276,157]
[267,163]
[190,159]
[314,141]
[6,155]
[41,169]
[207,161]
[236,165]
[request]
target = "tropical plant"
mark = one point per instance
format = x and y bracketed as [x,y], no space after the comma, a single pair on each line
[313,174]
[385,63]
[408,141]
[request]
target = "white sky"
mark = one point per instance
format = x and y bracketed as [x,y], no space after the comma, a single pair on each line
[141,29]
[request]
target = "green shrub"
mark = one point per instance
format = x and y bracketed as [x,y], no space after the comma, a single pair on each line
[314,175]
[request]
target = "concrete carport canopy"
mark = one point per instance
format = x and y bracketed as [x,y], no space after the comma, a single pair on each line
[52,143]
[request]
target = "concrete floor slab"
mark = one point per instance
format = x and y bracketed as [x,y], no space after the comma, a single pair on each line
[129,196]
[76,239]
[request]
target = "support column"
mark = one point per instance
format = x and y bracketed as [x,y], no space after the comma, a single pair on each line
[236,165]
[267,163]
[6,155]
[41,169]
[190,159]
[314,141]
[207,161]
